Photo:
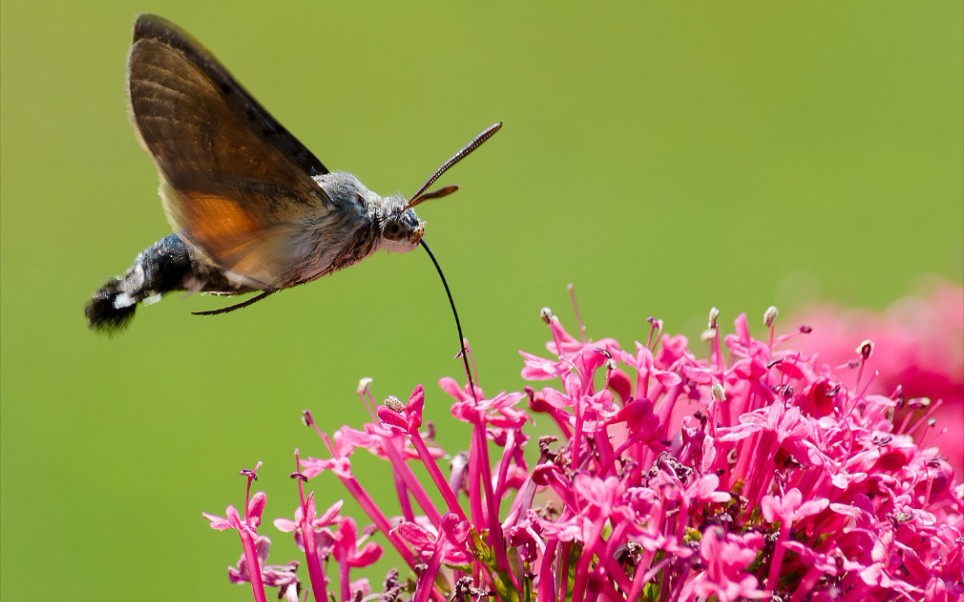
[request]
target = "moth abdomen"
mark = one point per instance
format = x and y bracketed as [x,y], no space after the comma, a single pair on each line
[161,268]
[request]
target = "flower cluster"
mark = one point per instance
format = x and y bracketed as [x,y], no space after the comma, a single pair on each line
[756,473]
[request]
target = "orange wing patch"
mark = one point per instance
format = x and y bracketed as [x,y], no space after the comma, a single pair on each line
[234,234]
[219,225]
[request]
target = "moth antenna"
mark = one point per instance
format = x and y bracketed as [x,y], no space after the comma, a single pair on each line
[458,324]
[236,306]
[418,197]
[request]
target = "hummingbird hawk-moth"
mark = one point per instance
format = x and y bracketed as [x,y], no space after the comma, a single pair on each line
[252,209]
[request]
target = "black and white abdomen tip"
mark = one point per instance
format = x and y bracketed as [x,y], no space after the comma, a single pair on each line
[159,269]
[111,308]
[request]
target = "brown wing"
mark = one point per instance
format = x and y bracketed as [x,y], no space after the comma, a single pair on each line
[236,183]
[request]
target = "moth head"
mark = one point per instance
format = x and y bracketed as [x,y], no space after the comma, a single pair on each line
[399,229]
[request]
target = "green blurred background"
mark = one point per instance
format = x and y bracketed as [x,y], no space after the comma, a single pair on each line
[664,158]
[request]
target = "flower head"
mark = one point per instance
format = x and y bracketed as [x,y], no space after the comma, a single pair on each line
[762,471]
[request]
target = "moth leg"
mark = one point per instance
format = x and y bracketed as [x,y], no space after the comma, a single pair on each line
[230,308]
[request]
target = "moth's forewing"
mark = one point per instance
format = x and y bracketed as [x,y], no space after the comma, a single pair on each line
[235,182]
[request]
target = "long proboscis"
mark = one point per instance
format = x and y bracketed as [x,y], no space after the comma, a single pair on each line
[455,312]
[421,196]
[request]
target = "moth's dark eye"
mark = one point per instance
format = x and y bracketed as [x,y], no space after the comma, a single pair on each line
[392,229]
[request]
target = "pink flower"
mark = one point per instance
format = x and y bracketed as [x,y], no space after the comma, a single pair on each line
[347,546]
[251,567]
[789,508]
[726,558]
[308,519]
[312,535]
